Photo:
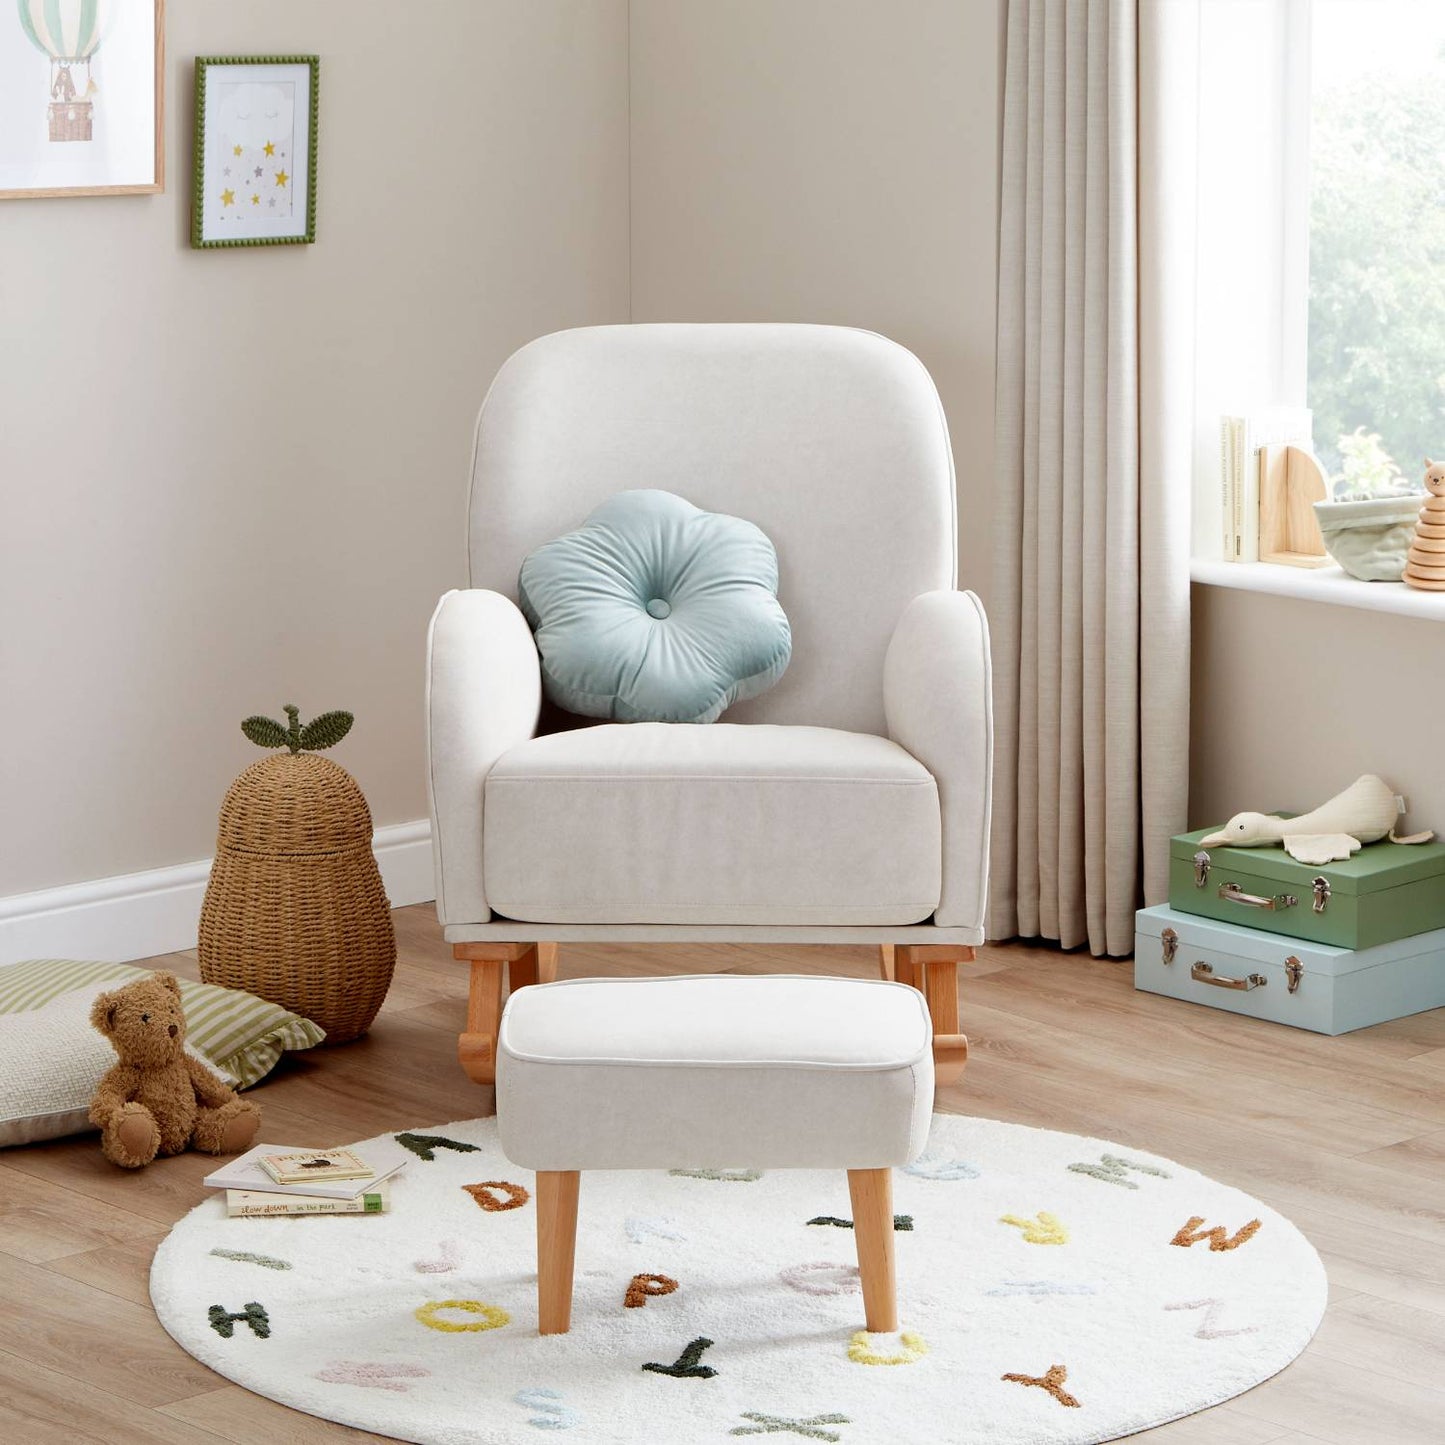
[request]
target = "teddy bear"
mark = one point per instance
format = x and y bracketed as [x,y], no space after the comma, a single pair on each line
[158,1099]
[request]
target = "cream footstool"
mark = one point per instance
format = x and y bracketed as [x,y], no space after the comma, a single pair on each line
[714,1072]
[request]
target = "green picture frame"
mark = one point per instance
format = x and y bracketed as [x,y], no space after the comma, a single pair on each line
[255,151]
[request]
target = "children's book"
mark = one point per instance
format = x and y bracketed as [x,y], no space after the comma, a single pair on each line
[385,1157]
[311,1164]
[253,1204]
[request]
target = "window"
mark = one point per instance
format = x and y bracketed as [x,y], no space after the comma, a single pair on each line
[1320,132]
[1376,304]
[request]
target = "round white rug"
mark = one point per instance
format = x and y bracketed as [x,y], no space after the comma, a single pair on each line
[1052,1288]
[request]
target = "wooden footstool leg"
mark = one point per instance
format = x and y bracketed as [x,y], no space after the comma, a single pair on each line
[556,1248]
[872,1194]
[933,967]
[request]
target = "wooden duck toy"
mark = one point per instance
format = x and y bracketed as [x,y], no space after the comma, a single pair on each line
[1425,562]
[1364,813]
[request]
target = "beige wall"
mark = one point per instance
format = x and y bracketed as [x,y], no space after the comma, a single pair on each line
[230,480]
[1293,700]
[835,161]
[235,479]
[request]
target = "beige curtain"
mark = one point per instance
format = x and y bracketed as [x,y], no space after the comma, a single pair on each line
[1093,442]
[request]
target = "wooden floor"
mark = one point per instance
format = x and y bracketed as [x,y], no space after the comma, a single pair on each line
[1346,1136]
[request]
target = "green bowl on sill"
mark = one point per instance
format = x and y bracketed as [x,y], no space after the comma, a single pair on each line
[1370,539]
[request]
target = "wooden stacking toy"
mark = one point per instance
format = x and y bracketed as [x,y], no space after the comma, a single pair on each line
[1425,562]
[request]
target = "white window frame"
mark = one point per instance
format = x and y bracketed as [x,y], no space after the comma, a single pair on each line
[1278,326]
[1294,140]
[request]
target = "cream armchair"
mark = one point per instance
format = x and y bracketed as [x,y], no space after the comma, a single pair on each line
[850,803]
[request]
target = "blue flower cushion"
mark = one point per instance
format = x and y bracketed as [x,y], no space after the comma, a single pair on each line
[655,611]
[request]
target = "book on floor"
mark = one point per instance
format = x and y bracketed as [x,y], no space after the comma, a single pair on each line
[246,1173]
[257,1204]
[313,1164]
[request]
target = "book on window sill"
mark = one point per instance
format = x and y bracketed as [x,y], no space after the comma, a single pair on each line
[246,1173]
[1242,437]
[254,1204]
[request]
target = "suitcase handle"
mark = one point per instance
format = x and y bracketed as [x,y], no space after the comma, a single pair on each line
[1233,893]
[1204,973]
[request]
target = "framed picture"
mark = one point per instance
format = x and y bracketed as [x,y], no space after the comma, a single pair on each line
[82,97]
[255,150]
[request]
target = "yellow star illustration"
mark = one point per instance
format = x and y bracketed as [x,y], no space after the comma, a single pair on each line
[269,149]
[282,178]
[228,198]
[255,200]
[237,151]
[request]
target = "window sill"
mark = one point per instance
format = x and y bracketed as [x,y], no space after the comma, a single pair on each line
[1319,584]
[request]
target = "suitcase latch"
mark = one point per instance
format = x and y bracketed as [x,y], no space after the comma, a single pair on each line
[1168,945]
[1294,970]
[1201,868]
[1321,886]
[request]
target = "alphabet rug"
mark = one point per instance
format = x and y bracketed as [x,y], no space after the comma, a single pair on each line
[1053,1289]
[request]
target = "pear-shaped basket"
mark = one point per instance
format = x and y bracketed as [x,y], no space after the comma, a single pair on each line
[295,910]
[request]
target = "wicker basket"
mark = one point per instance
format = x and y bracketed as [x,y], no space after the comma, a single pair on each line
[295,910]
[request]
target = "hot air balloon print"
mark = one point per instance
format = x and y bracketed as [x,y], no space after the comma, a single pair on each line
[69,32]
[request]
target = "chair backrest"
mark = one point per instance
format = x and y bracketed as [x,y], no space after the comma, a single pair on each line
[832,440]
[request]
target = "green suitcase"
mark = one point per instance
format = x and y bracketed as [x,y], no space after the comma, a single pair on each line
[1385,892]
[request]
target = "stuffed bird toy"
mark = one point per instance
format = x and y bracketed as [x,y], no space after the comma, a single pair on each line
[1364,813]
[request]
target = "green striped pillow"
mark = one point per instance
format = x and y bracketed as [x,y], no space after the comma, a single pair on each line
[240,1034]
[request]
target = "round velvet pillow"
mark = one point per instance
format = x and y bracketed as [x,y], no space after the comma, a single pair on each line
[655,611]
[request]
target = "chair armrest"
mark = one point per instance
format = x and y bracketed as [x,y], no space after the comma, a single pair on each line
[483,695]
[938,699]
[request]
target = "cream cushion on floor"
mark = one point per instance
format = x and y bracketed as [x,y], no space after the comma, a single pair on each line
[714,1072]
[677,823]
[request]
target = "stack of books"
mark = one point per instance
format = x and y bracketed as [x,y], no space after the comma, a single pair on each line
[1242,438]
[273,1179]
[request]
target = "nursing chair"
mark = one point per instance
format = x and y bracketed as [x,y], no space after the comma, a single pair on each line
[849,803]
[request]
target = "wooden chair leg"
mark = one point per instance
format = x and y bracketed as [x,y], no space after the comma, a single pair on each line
[477,1047]
[905,969]
[933,968]
[523,970]
[556,1248]
[886,962]
[547,962]
[872,1193]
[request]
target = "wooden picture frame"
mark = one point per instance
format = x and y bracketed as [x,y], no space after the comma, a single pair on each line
[255,151]
[123,101]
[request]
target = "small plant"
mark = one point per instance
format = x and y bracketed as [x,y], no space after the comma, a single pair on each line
[324,731]
[1368,471]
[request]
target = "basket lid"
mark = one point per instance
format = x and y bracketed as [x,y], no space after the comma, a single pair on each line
[293,804]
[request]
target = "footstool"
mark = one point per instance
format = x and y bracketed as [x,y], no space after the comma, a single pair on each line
[714,1072]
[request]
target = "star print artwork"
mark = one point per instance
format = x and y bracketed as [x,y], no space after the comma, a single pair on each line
[253,125]
[255,151]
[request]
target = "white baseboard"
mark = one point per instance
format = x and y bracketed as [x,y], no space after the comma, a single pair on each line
[136,915]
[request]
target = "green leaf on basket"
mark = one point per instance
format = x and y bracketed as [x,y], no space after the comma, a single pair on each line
[326,730]
[265,732]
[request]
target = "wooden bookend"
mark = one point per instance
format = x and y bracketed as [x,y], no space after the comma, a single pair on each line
[1291,481]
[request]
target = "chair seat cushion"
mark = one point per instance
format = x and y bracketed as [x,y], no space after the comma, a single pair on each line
[732,824]
[714,1072]
[656,611]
